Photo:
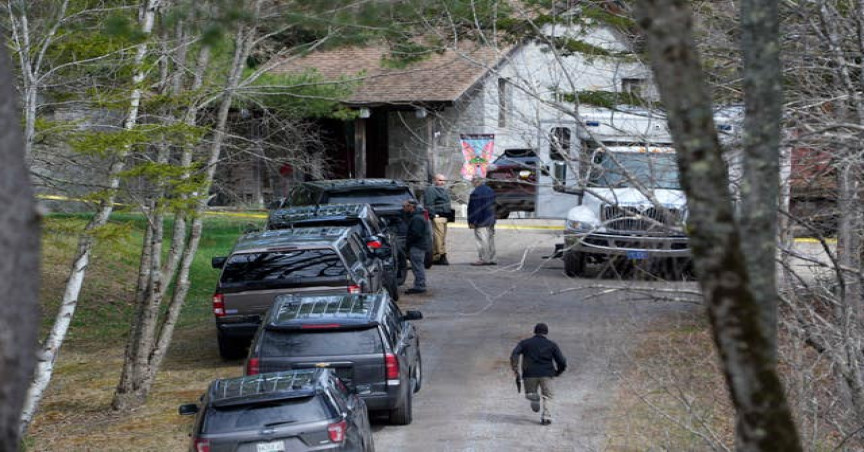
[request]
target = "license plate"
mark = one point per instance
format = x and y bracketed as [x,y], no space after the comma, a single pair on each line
[272,446]
[636,255]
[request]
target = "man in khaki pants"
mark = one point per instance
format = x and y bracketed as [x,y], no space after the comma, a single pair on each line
[541,361]
[437,202]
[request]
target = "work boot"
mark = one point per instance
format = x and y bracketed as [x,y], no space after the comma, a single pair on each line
[443,260]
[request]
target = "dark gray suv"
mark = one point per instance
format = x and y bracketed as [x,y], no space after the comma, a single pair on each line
[264,265]
[370,344]
[361,217]
[300,410]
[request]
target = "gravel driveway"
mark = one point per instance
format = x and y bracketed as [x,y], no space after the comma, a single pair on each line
[473,318]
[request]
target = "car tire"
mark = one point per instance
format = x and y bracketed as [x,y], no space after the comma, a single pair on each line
[230,349]
[574,263]
[392,287]
[502,213]
[418,374]
[402,414]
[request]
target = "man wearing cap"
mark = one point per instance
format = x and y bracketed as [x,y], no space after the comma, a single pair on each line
[541,361]
[417,243]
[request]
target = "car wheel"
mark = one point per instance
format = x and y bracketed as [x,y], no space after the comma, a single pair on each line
[392,288]
[502,213]
[574,263]
[418,373]
[229,349]
[402,414]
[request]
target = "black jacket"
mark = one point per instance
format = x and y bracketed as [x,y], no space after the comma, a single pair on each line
[540,358]
[417,235]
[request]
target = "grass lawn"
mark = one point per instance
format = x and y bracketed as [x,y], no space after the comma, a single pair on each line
[75,413]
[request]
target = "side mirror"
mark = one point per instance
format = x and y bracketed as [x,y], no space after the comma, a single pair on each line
[412,315]
[218,262]
[188,409]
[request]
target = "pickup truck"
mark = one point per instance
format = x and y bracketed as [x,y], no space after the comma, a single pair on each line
[513,178]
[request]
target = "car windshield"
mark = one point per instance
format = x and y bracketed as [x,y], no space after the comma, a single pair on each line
[656,170]
[371,196]
[257,415]
[522,157]
[281,267]
[321,343]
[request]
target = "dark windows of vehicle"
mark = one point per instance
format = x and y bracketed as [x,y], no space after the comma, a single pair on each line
[272,267]
[373,196]
[257,415]
[350,254]
[299,343]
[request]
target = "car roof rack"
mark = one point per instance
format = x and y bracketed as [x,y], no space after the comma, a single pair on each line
[295,311]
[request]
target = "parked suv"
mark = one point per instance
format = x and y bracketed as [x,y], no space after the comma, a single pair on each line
[384,195]
[299,410]
[266,264]
[361,217]
[365,338]
[513,178]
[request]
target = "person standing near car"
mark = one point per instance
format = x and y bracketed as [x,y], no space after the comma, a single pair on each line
[481,218]
[437,201]
[417,243]
[541,361]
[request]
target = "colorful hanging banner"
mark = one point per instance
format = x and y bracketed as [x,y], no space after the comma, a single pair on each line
[477,150]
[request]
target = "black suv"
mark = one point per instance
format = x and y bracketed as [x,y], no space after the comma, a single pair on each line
[384,195]
[358,216]
[365,338]
[309,409]
[266,264]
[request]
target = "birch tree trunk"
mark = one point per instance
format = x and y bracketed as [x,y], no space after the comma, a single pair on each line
[19,269]
[51,347]
[764,421]
[140,374]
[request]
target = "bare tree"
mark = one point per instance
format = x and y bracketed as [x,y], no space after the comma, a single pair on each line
[764,421]
[19,270]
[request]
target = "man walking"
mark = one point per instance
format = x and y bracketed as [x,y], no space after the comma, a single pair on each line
[541,361]
[417,243]
[437,201]
[481,218]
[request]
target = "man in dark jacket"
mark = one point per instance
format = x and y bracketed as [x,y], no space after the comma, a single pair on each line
[417,243]
[436,199]
[541,361]
[481,218]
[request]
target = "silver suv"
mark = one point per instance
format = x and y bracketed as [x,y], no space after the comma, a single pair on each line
[264,265]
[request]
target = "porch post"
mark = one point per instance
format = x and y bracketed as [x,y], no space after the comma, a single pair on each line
[359,148]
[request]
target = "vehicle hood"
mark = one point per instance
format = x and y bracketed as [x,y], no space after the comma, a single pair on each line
[631,197]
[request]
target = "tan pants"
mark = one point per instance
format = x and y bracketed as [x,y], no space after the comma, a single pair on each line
[545,395]
[439,247]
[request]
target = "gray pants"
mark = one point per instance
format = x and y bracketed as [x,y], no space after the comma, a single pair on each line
[485,237]
[545,395]
[418,259]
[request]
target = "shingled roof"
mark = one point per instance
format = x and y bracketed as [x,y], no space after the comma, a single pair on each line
[439,77]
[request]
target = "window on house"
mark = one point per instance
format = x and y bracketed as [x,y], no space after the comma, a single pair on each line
[502,102]
[632,86]
[559,143]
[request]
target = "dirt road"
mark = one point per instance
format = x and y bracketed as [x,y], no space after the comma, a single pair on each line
[473,318]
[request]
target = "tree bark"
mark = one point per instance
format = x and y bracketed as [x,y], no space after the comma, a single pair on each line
[764,421]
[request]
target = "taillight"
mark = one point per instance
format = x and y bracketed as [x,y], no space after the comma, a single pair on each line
[201,445]
[353,288]
[374,244]
[218,305]
[392,365]
[337,431]
[253,366]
